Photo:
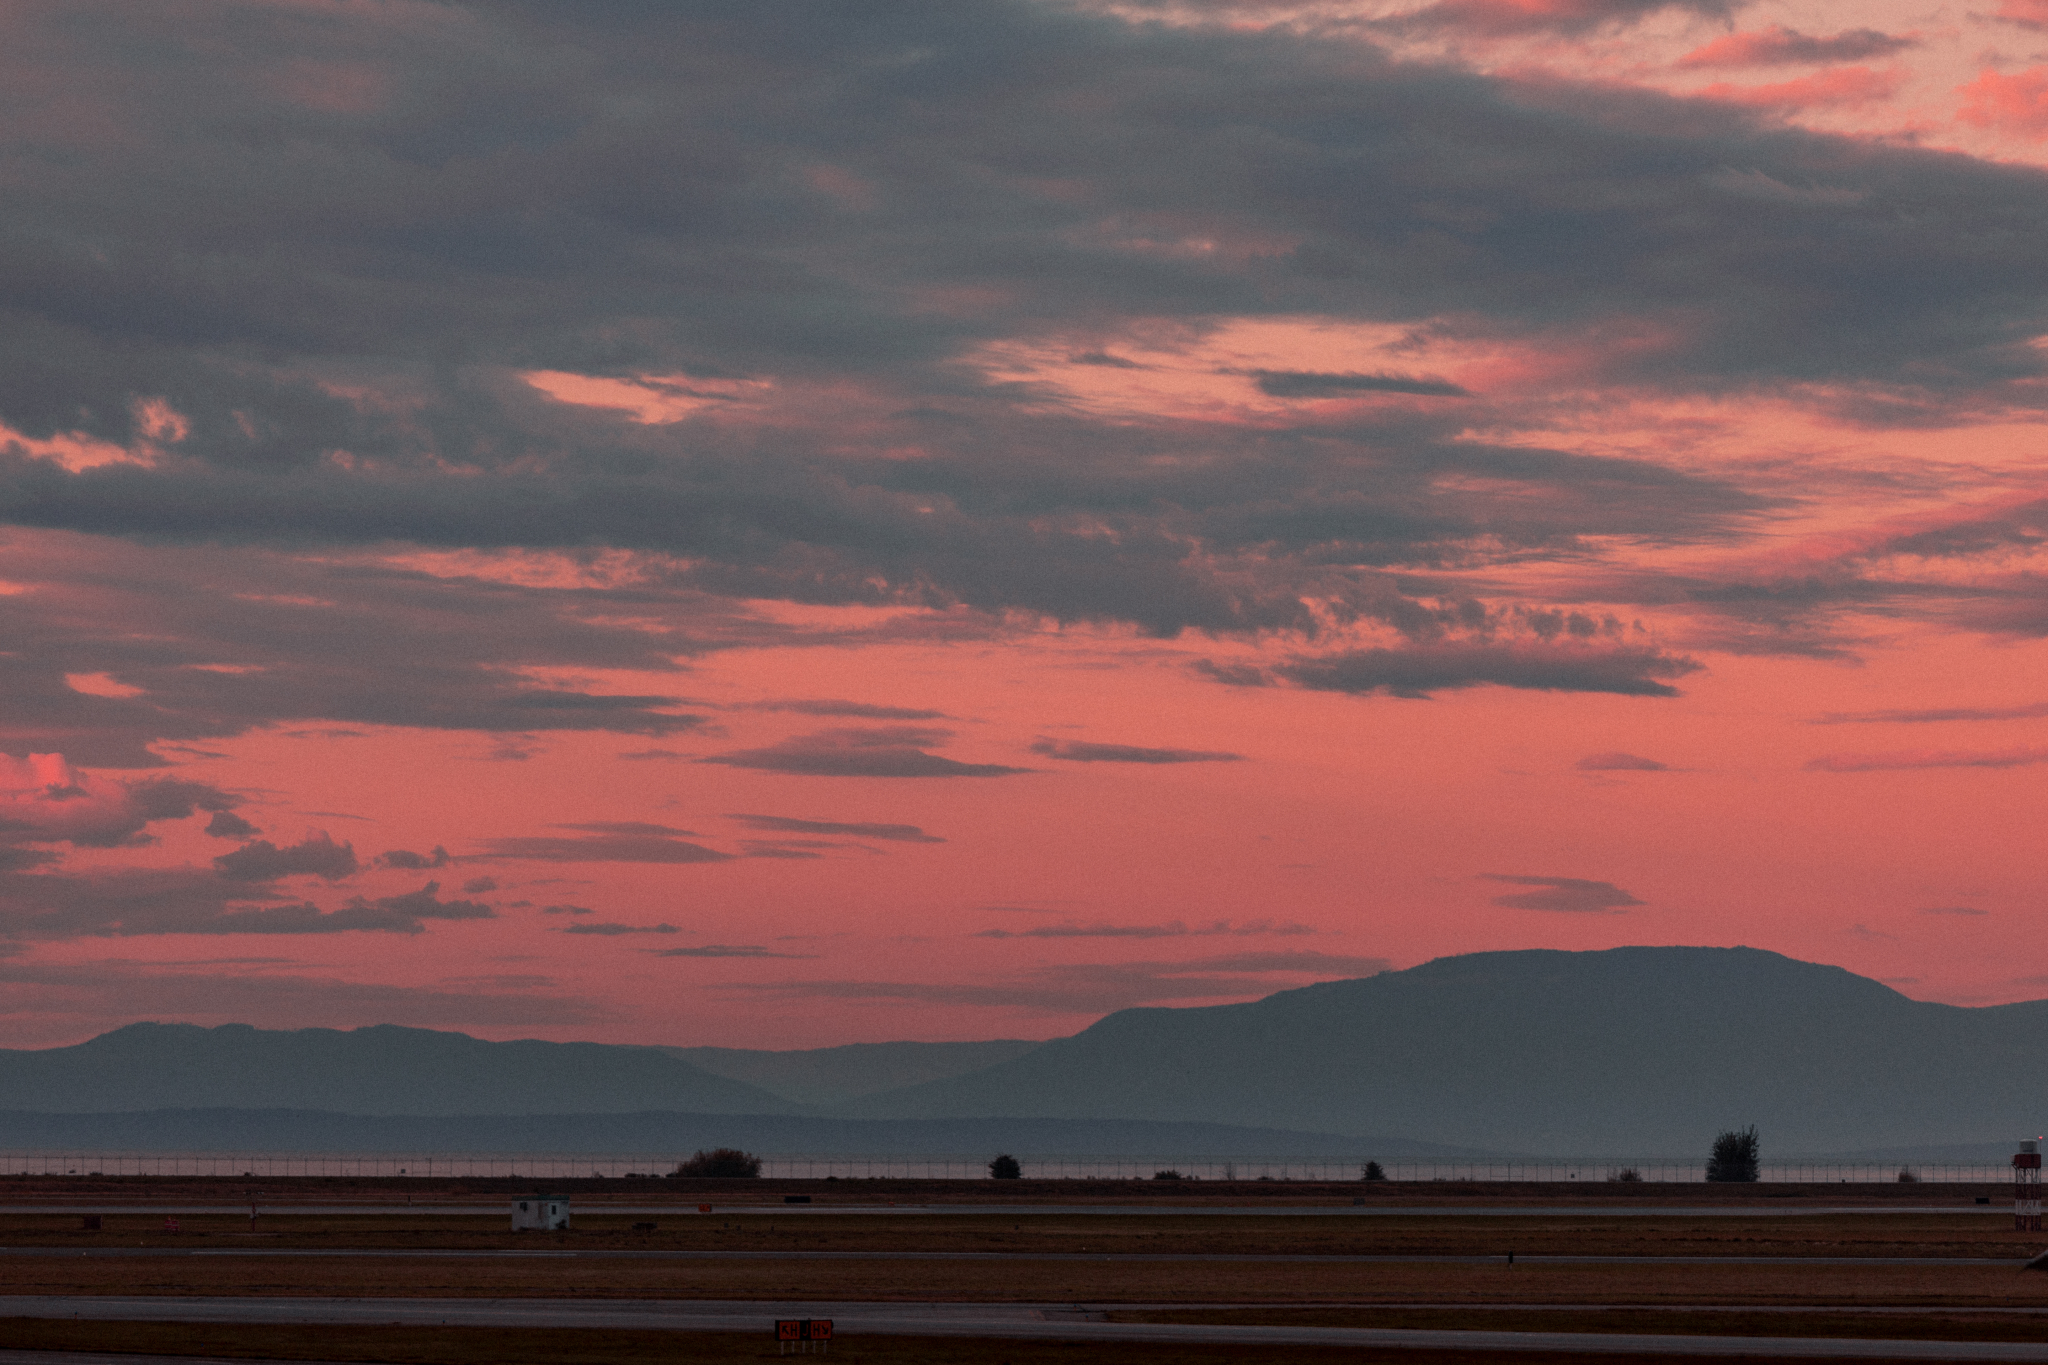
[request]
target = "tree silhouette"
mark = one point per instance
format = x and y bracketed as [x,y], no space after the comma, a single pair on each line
[1735,1156]
[1374,1171]
[722,1163]
[1005,1167]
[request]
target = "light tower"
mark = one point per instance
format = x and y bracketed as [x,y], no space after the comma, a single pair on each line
[2026,1188]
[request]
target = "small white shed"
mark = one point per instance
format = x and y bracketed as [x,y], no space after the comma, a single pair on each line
[540,1212]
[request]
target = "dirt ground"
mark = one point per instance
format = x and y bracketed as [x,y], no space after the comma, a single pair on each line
[1933,1234]
[1787,1281]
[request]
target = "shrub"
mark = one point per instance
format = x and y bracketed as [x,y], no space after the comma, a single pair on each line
[1373,1171]
[1168,1175]
[722,1163]
[1627,1175]
[1735,1156]
[1907,1177]
[1005,1167]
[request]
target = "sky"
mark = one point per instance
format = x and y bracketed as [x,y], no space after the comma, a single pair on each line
[797,523]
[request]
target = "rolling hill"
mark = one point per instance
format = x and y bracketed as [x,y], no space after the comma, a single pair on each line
[671,1136]
[834,1075]
[1631,1050]
[379,1070]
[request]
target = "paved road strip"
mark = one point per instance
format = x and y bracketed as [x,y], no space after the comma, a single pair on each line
[1234,1258]
[497,1209]
[1016,1321]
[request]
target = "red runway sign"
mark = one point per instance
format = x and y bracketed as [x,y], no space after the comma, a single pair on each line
[803,1331]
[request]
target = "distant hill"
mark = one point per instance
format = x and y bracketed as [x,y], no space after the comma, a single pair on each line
[1628,1051]
[379,1070]
[677,1135]
[834,1075]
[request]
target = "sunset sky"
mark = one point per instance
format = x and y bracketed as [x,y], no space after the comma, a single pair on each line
[793,523]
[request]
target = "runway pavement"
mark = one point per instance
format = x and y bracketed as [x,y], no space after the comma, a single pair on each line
[111,1358]
[496,1209]
[687,1254]
[1066,1322]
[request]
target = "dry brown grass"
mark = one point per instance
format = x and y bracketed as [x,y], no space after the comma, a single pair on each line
[1933,1234]
[1933,1325]
[492,1346]
[1786,1282]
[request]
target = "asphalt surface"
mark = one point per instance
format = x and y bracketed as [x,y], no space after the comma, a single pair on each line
[109,1358]
[497,1209]
[1233,1258]
[1061,1322]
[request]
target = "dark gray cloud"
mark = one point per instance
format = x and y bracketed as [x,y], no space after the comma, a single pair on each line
[1305,384]
[1931,715]
[476,886]
[217,643]
[1507,17]
[406,914]
[723,950]
[58,804]
[606,842]
[1620,763]
[57,907]
[262,861]
[563,909]
[1171,929]
[858,710]
[825,204]
[404,858]
[2019,756]
[1780,46]
[1417,672]
[887,751]
[1086,751]
[905,834]
[1570,894]
[614,930]
[228,825]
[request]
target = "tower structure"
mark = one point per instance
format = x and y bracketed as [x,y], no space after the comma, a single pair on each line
[2026,1188]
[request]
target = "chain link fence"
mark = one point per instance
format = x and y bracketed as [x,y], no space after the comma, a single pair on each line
[957,1166]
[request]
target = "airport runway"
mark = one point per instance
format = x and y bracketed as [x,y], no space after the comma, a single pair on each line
[109,1358]
[1061,1322]
[686,1254]
[496,1209]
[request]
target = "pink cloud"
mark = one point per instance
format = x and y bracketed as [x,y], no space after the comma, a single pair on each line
[1828,89]
[2013,104]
